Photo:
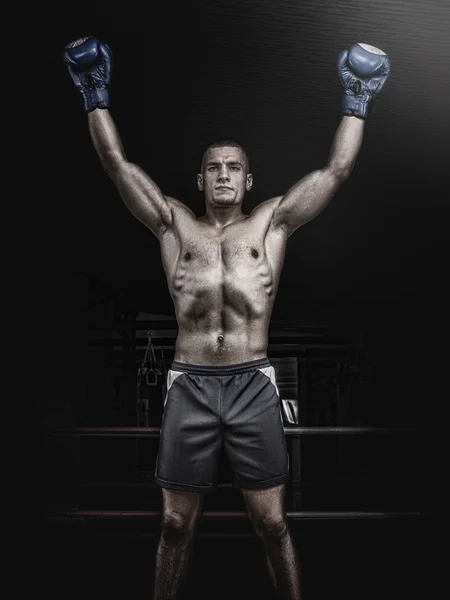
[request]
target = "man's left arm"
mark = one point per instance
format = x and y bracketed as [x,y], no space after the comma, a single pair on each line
[363,71]
[308,197]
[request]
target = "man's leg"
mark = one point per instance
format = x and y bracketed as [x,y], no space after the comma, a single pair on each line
[181,511]
[268,518]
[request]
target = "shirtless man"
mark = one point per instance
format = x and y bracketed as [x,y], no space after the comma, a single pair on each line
[223,271]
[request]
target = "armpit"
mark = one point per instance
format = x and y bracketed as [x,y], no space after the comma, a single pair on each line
[268,205]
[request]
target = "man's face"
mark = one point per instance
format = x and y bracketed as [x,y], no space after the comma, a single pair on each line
[224,179]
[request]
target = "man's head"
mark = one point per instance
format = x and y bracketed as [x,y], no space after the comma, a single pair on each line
[224,173]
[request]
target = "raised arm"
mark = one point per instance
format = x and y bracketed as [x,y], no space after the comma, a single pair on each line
[90,65]
[363,71]
[308,197]
[139,192]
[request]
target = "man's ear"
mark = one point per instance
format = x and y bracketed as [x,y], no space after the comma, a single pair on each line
[249,182]
[200,182]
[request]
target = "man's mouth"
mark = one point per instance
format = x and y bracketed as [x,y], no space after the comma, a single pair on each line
[223,187]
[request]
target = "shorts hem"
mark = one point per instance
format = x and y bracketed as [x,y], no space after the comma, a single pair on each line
[184,487]
[260,485]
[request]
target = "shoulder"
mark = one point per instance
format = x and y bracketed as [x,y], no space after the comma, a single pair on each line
[178,207]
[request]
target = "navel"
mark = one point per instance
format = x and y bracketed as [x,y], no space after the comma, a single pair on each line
[255,253]
[220,339]
[187,256]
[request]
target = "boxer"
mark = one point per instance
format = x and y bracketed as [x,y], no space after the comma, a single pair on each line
[223,270]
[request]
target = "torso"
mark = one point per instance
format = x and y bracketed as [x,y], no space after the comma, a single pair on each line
[223,284]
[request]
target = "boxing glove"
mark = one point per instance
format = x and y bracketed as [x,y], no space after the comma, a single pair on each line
[363,71]
[90,63]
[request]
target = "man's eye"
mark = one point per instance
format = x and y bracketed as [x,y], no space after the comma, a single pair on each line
[212,168]
[235,168]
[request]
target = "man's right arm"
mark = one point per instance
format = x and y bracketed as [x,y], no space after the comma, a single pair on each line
[140,194]
[89,62]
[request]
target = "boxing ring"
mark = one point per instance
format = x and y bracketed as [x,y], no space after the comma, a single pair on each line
[307,348]
[295,433]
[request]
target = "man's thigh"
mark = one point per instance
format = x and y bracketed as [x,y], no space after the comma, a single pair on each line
[265,503]
[253,433]
[190,437]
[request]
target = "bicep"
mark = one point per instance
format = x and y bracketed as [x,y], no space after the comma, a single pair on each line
[142,197]
[306,199]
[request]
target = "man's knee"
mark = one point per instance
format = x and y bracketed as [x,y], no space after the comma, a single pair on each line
[270,527]
[177,524]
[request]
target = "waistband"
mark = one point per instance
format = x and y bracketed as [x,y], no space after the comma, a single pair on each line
[244,367]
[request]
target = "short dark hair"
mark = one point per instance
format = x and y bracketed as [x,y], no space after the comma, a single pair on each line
[224,142]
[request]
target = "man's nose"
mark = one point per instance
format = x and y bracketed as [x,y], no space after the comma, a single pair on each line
[223,174]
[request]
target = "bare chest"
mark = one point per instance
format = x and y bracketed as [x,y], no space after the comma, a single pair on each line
[233,261]
[227,253]
[242,257]
[228,271]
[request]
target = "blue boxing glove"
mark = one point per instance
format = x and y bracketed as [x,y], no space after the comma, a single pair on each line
[90,63]
[363,71]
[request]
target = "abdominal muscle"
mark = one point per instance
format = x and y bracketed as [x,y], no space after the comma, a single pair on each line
[222,317]
[220,346]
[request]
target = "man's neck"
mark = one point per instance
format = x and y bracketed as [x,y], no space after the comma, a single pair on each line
[219,217]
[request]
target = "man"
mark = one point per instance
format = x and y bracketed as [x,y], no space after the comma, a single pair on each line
[223,271]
